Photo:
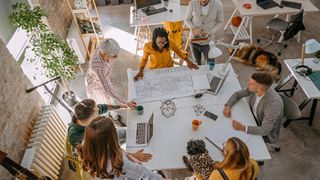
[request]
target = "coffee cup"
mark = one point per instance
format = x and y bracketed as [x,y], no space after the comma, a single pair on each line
[211,65]
[196,124]
[139,109]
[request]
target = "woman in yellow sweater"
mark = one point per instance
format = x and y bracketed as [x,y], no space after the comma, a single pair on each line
[159,52]
[237,164]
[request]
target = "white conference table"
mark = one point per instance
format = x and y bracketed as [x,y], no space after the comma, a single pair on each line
[140,18]
[307,86]
[244,31]
[170,135]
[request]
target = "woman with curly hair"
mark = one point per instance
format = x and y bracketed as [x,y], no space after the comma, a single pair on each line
[102,156]
[159,52]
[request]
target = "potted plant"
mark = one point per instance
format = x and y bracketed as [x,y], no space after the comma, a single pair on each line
[52,52]
[317,57]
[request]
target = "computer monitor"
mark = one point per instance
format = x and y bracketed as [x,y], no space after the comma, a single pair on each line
[146,3]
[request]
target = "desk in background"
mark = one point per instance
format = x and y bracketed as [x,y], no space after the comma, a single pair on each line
[170,135]
[140,18]
[244,31]
[310,90]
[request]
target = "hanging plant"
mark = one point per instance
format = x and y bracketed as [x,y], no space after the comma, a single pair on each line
[53,53]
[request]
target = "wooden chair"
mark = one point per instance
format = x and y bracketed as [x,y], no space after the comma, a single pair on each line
[73,160]
[175,31]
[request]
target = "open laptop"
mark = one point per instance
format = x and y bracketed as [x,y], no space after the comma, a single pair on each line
[267,4]
[216,83]
[141,133]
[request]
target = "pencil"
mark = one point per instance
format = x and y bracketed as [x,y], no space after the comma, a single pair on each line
[214,144]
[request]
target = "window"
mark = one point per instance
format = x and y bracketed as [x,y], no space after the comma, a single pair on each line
[18,47]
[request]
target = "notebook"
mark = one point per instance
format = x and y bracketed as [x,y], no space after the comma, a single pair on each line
[141,133]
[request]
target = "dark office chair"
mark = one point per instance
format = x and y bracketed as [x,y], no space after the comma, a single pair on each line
[288,30]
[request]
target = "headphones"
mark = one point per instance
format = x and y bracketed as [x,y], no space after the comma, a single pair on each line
[303,70]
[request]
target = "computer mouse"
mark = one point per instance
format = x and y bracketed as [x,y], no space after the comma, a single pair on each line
[199,95]
[170,10]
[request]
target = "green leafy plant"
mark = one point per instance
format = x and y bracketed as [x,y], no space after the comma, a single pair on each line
[53,53]
[317,54]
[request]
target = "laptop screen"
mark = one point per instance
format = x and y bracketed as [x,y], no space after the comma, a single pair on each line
[150,128]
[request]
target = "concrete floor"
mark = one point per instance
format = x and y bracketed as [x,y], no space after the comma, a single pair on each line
[300,146]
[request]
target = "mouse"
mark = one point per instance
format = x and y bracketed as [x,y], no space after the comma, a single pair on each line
[170,10]
[199,95]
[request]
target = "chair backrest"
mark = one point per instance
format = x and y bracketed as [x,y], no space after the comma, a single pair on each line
[73,160]
[175,30]
[290,108]
[295,25]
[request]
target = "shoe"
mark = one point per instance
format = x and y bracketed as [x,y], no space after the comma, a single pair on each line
[260,163]
[187,163]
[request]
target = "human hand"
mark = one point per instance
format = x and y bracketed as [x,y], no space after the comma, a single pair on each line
[196,31]
[238,126]
[131,105]
[227,111]
[133,159]
[192,65]
[141,156]
[138,76]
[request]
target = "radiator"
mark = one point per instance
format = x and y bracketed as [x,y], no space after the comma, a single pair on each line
[46,147]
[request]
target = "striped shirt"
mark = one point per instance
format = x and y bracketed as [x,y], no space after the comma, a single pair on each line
[98,83]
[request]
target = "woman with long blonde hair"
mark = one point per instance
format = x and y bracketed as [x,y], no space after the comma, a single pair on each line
[102,156]
[237,164]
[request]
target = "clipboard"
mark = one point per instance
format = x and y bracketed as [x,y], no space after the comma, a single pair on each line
[200,38]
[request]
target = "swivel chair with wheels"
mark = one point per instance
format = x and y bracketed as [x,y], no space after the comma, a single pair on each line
[288,30]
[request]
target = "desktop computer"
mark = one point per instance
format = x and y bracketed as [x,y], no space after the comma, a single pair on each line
[147,6]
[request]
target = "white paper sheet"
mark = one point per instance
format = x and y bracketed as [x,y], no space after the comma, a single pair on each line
[200,82]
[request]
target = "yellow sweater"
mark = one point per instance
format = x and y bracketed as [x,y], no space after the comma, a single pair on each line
[160,59]
[234,174]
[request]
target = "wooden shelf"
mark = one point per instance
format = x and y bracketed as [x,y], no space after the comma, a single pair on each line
[92,15]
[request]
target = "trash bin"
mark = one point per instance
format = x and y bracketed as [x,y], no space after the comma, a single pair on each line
[115,2]
[101,2]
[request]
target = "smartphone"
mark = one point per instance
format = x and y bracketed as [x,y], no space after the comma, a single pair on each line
[211,115]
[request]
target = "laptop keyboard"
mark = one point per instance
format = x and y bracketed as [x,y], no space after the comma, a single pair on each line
[155,11]
[141,133]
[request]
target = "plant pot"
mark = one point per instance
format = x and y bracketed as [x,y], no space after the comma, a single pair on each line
[69,98]
[316,60]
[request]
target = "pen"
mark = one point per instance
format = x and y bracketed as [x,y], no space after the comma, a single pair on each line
[214,144]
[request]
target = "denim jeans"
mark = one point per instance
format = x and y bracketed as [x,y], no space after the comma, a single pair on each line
[197,49]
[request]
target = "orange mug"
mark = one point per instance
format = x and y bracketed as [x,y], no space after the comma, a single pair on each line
[196,124]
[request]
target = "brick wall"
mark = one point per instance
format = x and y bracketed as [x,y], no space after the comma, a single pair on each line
[17,108]
[59,15]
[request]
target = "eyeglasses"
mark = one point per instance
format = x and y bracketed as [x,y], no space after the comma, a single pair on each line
[162,43]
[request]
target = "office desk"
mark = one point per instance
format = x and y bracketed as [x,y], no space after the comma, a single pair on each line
[178,14]
[244,31]
[307,86]
[170,135]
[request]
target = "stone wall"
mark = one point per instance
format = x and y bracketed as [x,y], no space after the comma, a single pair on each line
[17,109]
[59,15]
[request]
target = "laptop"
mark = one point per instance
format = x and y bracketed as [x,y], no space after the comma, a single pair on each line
[141,133]
[267,4]
[216,83]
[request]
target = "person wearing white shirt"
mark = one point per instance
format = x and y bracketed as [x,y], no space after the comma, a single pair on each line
[266,106]
[203,17]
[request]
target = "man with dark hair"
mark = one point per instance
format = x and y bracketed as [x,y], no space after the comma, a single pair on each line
[85,112]
[265,104]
